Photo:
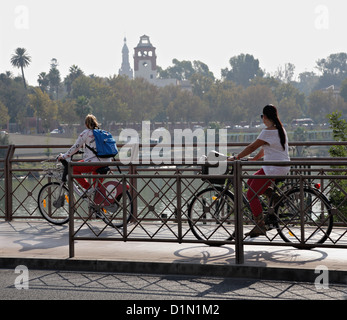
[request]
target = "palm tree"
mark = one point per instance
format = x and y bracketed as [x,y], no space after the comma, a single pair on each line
[43,81]
[21,60]
[75,72]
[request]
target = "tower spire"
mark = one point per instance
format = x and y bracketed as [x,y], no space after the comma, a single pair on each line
[125,68]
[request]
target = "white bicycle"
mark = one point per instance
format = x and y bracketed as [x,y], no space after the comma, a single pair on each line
[107,202]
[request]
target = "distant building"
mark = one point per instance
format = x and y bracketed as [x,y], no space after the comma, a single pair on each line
[145,60]
[333,90]
[125,68]
[145,65]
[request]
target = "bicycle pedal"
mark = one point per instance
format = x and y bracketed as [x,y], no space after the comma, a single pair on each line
[270,227]
[98,215]
[59,202]
[270,219]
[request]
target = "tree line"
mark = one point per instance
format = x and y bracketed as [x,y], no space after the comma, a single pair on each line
[240,94]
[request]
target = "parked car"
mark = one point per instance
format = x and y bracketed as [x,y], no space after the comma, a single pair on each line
[305,122]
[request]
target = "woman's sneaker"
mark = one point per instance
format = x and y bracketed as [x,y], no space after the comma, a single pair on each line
[88,193]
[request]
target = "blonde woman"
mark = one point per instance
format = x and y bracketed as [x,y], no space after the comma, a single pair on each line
[85,138]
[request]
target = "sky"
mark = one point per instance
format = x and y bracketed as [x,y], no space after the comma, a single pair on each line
[90,33]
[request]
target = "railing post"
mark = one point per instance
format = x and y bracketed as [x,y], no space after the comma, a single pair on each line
[71,212]
[239,252]
[8,183]
[179,207]
[133,187]
[302,213]
[124,204]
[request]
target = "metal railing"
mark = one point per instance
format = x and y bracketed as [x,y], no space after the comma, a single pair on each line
[161,196]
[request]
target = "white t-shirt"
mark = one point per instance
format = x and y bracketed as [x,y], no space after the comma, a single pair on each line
[273,151]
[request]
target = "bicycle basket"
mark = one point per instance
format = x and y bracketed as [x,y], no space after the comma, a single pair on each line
[52,169]
[215,180]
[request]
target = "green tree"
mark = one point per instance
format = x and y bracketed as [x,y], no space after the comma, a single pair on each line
[67,111]
[4,117]
[307,81]
[188,107]
[285,74]
[343,90]
[44,107]
[244,68]
[43,81]
[185,70]
[86,86]
[339,127]
[291,101]
[181,70]
[337,194]
[225,102]
[254,98]
[145,100]
[201,84]
[75,72]
[333,70]
[54,79]
[15,97]
[322,103]
[120,97]
[82,107]
[21,60]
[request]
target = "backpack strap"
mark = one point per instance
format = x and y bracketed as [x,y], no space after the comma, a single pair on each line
[91,149]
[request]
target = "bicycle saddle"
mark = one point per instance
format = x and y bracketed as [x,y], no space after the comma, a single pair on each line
[102,170]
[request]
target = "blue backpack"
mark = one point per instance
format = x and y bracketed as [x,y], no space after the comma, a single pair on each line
[106,146]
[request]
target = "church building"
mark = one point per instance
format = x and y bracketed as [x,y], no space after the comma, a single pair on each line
[125,69]
[145,64]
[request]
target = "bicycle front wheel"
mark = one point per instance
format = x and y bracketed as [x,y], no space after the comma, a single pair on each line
[304,217]
[53,204]
[210,215]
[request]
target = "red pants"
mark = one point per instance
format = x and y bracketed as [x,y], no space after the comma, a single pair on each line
[256,188]
[85,169]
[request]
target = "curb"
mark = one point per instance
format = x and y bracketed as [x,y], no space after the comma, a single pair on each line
[189,269]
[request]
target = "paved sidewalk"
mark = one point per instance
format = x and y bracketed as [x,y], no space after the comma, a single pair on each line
[39,245]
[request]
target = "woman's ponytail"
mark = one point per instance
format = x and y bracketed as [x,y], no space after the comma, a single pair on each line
[271,112]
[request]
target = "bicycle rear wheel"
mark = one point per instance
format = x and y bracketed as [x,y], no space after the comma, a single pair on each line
[313,226]
[210,215]
[53,205]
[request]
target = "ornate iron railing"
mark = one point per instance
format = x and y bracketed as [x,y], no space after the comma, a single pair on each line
[162,196]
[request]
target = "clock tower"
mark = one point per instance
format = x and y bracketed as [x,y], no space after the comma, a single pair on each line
[145,60]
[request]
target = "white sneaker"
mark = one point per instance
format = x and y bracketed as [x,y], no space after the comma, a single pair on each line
[88,193]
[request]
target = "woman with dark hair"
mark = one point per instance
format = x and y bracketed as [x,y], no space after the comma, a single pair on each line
[273,141]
